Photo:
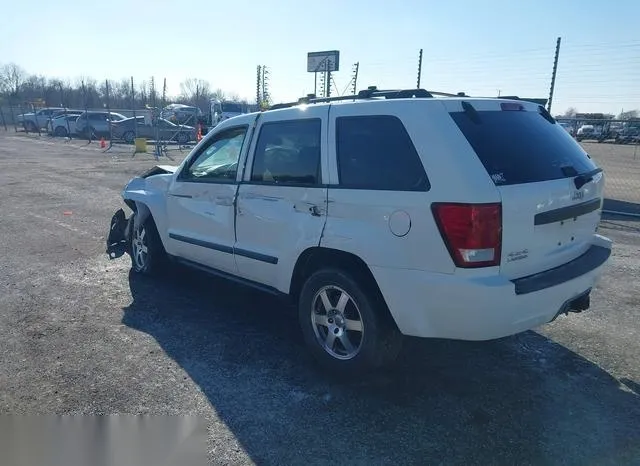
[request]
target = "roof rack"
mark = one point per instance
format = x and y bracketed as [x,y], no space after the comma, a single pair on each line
[370,92]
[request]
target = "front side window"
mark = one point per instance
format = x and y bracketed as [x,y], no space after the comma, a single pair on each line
[375,152]
[288,152]
[218,160]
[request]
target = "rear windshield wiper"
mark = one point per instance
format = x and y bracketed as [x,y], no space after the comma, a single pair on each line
[585,178]
[471,112]
[546,115]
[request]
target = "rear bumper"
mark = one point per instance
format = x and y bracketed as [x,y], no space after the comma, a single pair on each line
[460,307]
[592,259]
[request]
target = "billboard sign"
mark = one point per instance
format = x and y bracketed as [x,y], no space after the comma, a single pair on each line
[323,61]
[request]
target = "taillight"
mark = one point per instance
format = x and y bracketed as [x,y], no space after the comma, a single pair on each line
[472,232]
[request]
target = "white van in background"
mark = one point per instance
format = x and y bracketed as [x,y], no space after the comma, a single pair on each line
[223,110]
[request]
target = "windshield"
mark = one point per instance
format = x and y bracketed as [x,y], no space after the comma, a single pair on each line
[231,107]
[522,146]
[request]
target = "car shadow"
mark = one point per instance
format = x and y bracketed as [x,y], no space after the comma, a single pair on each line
[523,399]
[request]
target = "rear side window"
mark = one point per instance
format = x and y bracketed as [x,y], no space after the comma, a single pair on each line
[288,152]
[376,152]
[518,147]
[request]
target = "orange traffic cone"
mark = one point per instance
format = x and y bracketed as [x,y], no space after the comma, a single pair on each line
[103,143]
[199,133]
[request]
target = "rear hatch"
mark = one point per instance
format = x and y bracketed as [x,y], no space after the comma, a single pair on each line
[550,188]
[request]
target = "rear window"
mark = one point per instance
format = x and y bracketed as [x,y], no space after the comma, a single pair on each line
[519,147]
[375,152]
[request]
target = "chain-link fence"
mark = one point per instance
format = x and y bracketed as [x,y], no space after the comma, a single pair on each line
[125,114]
[614,145]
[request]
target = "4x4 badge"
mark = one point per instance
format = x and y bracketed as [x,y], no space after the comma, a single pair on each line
[577,195]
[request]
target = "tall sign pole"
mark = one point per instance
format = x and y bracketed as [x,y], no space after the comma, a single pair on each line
[323,64]
[553,74]
[419,68]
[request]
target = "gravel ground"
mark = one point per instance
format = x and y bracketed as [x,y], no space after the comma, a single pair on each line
[81,335]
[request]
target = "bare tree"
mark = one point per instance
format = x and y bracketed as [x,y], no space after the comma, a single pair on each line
[12,78]
[630,115]
[219,94]
[196,92]
[144,93]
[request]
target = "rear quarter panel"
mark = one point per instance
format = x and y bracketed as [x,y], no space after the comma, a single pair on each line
[360,221]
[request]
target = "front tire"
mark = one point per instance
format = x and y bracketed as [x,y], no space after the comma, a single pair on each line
[344,326]
[148,256]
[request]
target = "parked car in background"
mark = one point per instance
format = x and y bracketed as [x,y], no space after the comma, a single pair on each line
[568,127]
[223,110]
[63,125]
[589,132]
[181,114]
[95,124]
[36,120]
[628,134]
[128,128]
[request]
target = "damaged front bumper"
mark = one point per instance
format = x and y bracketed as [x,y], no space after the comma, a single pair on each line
[118,239]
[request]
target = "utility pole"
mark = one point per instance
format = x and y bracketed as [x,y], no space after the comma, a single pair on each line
[258,87]
[354,87]
[553,74]
[265,85]
[321,91]
[419,68]
[164,93]
[327,79]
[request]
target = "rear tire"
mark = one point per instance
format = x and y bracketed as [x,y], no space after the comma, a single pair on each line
[345,328]
[148,256]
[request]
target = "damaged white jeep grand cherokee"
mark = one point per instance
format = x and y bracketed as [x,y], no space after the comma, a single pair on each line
[394,213]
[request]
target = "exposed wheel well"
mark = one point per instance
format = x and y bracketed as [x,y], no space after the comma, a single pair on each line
[315,258]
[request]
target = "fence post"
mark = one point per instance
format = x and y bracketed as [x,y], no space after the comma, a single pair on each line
[24,124]
[66,118]
[36,119]
[106,83]
[133,106]
[4,122]
[13,118]
[86,113]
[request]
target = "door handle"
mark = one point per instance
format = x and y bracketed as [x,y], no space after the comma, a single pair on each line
[315,211]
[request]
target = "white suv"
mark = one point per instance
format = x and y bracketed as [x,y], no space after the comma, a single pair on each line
[382,216]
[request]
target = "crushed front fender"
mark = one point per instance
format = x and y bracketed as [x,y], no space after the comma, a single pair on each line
[118,237]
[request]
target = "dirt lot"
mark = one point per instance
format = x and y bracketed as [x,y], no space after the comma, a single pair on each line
[621,163]
[79,334]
